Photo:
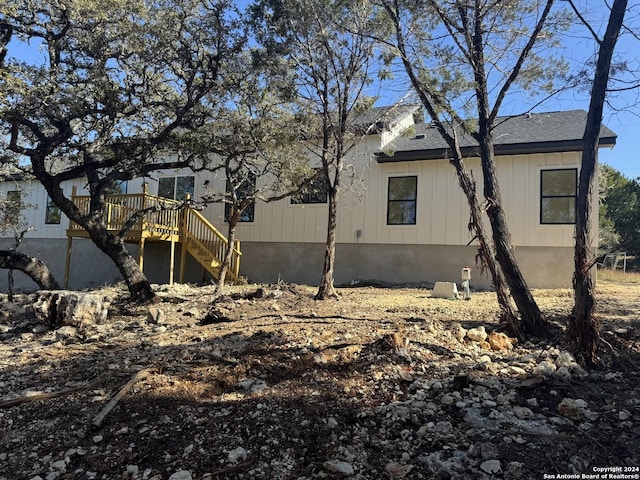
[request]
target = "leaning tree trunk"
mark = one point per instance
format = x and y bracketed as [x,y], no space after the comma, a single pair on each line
[34,268]
[137,282]
[468,186]
[531,317]
[584,328]
[326,288]
[486,254]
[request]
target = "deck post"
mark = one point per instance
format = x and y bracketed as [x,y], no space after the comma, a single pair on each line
[141,252]
[67,266]
[236,257]
[143,220]
[172,260]
[183,237]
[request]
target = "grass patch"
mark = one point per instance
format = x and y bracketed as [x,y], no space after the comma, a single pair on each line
[618,276]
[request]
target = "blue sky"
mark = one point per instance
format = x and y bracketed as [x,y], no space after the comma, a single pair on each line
[622,115]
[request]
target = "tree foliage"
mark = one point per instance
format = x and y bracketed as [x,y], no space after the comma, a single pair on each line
[259,153]
[620,211]
[112,86]
[328,47]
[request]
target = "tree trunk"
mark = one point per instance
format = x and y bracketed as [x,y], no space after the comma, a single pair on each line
[234,218]
[467,184]
[508,315]
[584,328]
[137,283]
[531,317]
[326,288]
[34,268]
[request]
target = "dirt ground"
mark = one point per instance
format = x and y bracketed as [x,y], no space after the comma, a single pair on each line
[266,383]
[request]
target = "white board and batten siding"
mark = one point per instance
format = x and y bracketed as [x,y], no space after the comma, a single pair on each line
[442,213]
[34,199]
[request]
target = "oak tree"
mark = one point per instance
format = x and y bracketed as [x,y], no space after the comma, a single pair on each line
[106,89]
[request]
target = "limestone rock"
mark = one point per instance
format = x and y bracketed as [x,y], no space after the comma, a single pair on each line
[337,466]
[181,475]
[575,409]
[397,470]
[478,334]
[458,331]
[491,466]
[545,368]
[236,455]
[76,309]
[500,341]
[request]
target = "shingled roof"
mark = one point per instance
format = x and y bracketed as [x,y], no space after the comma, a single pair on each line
[521,134]
[377,119]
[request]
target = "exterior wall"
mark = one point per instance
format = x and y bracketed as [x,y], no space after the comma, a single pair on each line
[285,241]
[35,198]
[442,212]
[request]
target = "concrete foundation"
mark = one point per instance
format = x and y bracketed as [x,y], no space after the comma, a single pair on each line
[264,262]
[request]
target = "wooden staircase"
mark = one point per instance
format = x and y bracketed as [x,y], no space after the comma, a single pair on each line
[199,238]
[207,245]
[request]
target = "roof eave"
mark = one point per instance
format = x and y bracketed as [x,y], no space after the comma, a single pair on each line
[504,149]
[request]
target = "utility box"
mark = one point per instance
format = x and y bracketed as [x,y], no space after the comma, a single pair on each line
[445,290]
[466,273]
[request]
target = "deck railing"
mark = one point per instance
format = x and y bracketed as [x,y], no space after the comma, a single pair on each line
[120,208]
[202,232]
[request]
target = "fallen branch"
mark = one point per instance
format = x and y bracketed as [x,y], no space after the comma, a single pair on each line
[12,402]
[141,375]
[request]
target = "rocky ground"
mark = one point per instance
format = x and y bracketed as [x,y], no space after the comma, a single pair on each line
[385,383]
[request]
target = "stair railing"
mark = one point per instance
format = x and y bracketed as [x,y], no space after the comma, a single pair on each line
[197,229]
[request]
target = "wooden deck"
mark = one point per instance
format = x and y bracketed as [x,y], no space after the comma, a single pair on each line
[171,222]
[162,225]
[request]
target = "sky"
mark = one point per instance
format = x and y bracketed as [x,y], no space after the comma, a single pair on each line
[622,113]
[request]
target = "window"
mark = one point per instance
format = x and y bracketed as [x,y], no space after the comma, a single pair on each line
[314,191]
[120,188]
[401,207]
[52,213]
[176,187]
[13,204]
[246,188]
[558,190]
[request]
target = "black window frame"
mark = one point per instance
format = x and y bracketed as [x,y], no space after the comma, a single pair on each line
[175,179]
[52,213]
[409,201]
[314,192]
[249,213]
[544,197]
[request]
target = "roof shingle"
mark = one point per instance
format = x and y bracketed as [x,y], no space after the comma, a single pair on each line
[528,133]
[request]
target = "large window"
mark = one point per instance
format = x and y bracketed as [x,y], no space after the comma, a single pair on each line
[314,191]
[401,206]
[176,187]
[52,213]
[246,188]
[558,196]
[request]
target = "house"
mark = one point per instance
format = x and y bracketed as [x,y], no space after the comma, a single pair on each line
[402,217]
